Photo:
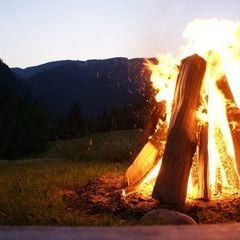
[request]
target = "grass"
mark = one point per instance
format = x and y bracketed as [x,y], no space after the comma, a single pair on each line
[31,189]
[108,147]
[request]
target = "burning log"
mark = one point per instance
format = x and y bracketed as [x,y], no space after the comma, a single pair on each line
[203,183]
[151,149]
[199,172]
[233,115]
[227,162]
[236,143]
[171,183]
[158,113]
[147,158]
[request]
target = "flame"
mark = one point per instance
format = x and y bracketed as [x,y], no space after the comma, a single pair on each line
[218,42]
[146,185]
[163,78]
[222,37]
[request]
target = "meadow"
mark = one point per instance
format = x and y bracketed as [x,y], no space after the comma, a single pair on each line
[31,189]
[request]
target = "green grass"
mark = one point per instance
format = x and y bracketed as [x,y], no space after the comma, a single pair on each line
[108,147]
[31,190]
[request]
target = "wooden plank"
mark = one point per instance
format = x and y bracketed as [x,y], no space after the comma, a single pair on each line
[171,183]
[196,232]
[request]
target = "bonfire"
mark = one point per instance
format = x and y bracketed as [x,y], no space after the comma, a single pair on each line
[194,152]
[191,160]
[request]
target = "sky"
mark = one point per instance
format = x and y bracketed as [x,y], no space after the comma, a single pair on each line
[33,32]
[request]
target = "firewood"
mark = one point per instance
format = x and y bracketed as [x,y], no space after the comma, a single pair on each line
[199,172]
[157,114]
[228,169]
[147,158]
[171,183]
[233,114]
[203,174]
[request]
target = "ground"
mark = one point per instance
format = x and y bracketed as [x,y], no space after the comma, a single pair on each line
[79,182]
[32,191]
[104,195]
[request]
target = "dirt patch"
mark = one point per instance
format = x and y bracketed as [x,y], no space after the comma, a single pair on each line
[217,211]
[104,195]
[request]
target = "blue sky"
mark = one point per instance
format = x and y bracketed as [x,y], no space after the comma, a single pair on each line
[34,32]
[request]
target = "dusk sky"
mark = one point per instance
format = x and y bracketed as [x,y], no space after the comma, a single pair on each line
[35,32]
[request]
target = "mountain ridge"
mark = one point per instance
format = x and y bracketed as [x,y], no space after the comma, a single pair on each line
[27,72]
[97,85]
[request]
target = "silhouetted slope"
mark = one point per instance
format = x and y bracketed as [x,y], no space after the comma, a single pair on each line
[31,71]
[9,84]
[97,85]
[22,124]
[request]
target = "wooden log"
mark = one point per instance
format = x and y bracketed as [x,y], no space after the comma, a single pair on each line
[236,143]
[199,171]
[147,158]
[171,183]
[158,113]
[150,149]
[203,173]
[223,85]
[233,114]
[228,166]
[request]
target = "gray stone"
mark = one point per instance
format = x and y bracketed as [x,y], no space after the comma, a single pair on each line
[165,217]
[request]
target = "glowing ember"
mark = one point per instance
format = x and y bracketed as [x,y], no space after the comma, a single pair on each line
[218,42]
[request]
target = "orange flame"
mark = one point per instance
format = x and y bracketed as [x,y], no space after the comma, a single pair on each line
[163,78]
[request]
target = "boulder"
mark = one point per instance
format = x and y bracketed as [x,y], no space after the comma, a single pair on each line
[165,217]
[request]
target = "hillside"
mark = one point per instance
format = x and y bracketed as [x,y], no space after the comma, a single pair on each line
[25,73]
[97,85]
[23,124]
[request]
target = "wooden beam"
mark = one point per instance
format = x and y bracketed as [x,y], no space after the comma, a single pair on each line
[171,183]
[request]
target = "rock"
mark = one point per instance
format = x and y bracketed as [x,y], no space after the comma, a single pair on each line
[165,217]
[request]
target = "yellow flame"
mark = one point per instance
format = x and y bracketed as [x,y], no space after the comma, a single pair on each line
[163,78]
[146,186]
[218,42]
[220,144]
[221,37]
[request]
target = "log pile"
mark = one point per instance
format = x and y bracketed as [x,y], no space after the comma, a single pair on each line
[183,145]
